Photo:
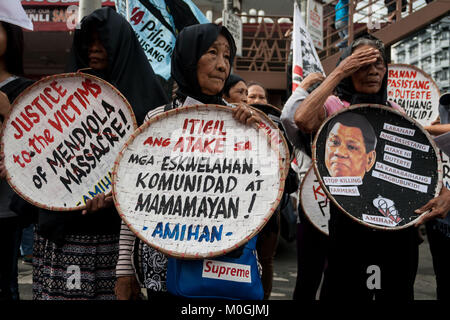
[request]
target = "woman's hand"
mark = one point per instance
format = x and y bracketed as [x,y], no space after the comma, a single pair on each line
[438,207]
[245,114]
[127,288]
[356,60]
[99,202]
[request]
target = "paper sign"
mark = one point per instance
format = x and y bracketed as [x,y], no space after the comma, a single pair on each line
[415,91]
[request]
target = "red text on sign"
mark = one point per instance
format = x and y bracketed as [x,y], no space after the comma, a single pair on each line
[197,126]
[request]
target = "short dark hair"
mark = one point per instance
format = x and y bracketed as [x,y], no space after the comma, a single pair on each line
[14,49]
[351,119]
[232,80]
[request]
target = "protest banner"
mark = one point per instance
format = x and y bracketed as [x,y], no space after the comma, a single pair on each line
[62,137]
[305,58]
[193,182]
[377,165]
[314,202]
[156,28]
[415,91]
[234,24]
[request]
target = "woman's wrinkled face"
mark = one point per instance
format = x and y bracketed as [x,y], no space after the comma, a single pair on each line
[238,93]
[3,40]
[97,55]
[256,95]
[368,79]
[213,67]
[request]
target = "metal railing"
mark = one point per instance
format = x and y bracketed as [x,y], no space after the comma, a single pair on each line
[265,45]
[365,16]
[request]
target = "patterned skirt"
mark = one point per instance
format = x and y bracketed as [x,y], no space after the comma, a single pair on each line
[84,268]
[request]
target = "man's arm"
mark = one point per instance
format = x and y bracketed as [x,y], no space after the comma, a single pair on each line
[438,207]
[437,129]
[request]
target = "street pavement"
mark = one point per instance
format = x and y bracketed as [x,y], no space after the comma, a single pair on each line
[285,273]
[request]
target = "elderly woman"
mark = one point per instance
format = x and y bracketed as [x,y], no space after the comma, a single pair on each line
[89,239]
[360,77]
[201,64]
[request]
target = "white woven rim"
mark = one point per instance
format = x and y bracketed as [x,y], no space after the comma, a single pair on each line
[314,201]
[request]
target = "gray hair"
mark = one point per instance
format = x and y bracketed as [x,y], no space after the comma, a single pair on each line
[371,41]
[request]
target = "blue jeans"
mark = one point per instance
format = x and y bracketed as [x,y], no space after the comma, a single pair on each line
[26,246]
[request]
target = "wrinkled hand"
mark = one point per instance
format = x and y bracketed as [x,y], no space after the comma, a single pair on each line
[99,202]
[5,106]
[2,168]
[438,208]
[127,288]
[245,114]
[352,63]
[311,79]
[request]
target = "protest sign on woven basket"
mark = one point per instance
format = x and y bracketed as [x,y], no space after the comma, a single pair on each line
[62,137]
[415,91]
[377,165]
[193,182]
[314,201]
